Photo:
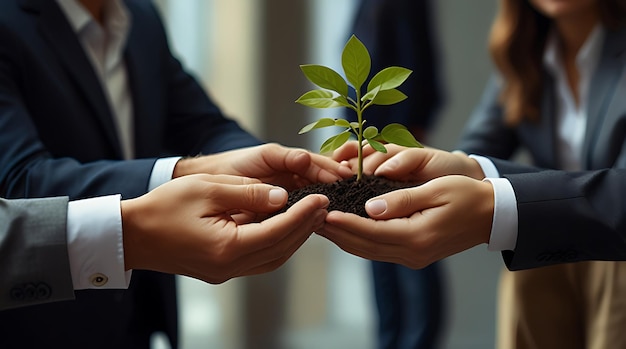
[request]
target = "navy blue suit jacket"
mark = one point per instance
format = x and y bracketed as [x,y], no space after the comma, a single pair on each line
[402,33]
[564,217]
[58,137]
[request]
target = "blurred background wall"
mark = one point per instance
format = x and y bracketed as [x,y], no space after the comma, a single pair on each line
[246,53]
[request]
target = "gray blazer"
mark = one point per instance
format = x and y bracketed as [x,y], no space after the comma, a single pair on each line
[552,239]
[34,264]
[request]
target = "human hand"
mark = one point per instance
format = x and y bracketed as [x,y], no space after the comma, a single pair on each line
[205,226]
[289,168]
[417,226]
[409,164]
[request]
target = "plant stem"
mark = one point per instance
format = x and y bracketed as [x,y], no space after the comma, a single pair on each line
[359,116]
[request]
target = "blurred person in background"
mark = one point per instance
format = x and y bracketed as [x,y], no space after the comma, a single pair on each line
[410,303]
[558,95]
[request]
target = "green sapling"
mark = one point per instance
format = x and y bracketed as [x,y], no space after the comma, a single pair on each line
[334,92]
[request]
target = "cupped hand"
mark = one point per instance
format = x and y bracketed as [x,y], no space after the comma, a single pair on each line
[409,164]
[348,154]
[271,163]
[193,226]
[424,164]
[417,226]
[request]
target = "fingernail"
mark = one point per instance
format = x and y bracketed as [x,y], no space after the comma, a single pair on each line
[376,207]
[277,196]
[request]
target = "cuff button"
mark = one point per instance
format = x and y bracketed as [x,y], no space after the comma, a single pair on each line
[98,279]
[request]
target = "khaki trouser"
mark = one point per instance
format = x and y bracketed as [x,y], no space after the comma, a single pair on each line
[566,306]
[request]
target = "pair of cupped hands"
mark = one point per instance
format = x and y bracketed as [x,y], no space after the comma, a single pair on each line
[212,221]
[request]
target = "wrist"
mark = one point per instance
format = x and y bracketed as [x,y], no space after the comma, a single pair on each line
[471,167]
[191,165]
[486,211]
[130,228]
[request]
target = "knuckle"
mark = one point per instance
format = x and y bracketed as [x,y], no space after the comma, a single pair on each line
[253,194]
[405,199]
[271,147]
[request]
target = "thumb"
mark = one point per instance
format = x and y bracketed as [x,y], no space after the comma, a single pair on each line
[399,203]
[261,198]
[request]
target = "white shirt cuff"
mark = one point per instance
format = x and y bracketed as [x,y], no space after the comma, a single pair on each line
[504,227]
[489,169]
[95,243]
[162,171]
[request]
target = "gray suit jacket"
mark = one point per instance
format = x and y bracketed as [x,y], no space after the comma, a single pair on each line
[544,238]
[34,264]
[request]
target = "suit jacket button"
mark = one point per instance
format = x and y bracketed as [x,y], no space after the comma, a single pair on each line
[98,279]
[43,291]
[17,293]
[30,292]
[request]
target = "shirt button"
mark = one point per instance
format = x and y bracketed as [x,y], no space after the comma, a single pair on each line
[98,279]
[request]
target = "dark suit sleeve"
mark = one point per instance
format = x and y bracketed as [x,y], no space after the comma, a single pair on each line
[51,131]
[34,263]
[567,216]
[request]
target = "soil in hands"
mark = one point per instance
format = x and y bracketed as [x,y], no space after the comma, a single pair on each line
[348,195]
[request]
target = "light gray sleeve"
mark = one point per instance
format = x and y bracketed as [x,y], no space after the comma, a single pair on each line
[34,263]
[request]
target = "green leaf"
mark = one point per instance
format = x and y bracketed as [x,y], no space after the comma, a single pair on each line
[371,94]
[342,123]
[334,142]
[377,146]
[398,134]
[388,97]
[324,122]
[356,62]
[343,101]
[325,77]
[370,132]
[318,99]
[389,78]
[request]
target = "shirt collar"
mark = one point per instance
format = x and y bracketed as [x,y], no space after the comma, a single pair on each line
[117,18]
[78,17]
[587,56]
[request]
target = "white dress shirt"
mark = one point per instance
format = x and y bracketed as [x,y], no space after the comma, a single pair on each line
[95,240]
[571,120]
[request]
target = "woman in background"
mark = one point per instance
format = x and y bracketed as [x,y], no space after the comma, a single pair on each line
[559,64]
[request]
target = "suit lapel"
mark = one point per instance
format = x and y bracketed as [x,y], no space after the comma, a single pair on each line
[56,30]
[602,88]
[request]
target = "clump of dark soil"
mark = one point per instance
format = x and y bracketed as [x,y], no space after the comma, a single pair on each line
[349,195]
